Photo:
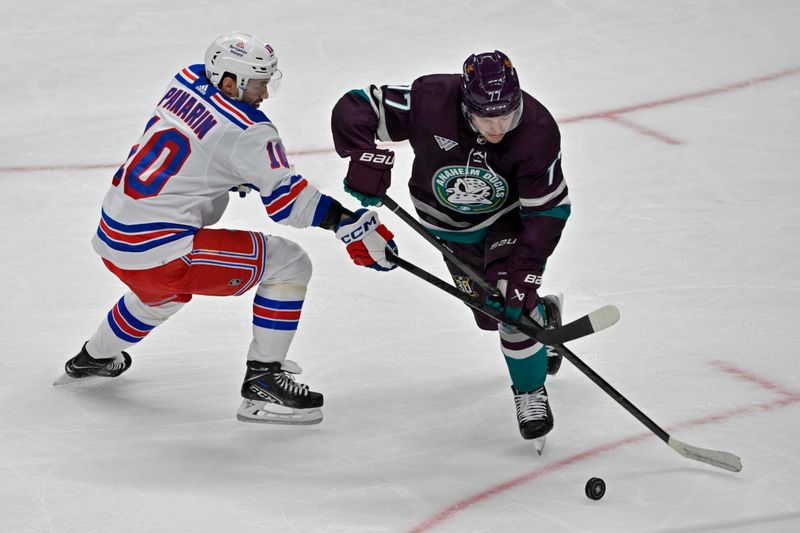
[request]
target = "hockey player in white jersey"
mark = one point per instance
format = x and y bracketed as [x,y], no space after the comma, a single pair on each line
[205,138]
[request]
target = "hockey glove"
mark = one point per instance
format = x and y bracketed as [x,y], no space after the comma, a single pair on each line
[366,239]
[519,290]
[369,174]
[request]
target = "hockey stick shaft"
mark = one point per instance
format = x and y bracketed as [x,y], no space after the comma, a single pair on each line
[720,459]
[439,245]
[725,460]
[593,322]
[586,325]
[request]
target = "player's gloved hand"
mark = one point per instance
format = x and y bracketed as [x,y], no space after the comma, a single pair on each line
[369,174]
[496,302]
[519,290]
[366,239]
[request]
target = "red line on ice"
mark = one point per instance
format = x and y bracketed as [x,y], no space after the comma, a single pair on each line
[788,398]
[612,115]
[684,97]
[758,380]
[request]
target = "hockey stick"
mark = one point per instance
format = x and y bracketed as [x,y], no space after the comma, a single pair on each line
[725,460]
[597,320]
[442,247]
[720,459]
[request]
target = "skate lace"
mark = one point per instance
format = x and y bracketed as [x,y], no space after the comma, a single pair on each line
[287,382]
[531,405]
[114,365]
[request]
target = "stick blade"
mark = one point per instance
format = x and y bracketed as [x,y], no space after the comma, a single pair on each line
[597,320]
[724,460]
[604,317]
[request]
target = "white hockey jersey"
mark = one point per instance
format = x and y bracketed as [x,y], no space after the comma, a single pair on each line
[197,146]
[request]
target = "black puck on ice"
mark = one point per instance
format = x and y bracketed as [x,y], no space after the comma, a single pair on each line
[595,488]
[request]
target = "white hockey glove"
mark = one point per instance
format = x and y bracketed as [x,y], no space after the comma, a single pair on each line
[366,239]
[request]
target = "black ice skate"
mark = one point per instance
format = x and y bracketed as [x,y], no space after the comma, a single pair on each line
[85,368]
[553,306]
[533,415]
[271,395]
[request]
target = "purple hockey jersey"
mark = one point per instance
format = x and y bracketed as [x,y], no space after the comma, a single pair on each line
[461,184]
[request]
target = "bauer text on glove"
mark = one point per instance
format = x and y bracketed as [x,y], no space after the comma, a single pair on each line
[519,290]
[369,174]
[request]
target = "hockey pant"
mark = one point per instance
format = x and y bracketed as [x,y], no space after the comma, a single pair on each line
[222,263]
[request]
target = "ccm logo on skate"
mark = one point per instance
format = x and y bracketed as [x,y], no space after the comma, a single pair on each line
[359,232]
[369,157]
[265,395]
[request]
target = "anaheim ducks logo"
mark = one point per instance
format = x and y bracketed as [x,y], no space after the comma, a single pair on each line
[469,189]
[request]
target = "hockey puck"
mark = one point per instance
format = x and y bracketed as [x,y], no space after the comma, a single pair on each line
[595,488]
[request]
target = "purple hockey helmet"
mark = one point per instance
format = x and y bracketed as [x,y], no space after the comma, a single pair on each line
[489,85]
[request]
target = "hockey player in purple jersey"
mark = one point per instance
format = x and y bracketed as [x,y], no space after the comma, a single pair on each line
[205,138]
[487,180]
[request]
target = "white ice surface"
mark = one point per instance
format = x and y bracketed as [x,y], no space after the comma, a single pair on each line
[681,132]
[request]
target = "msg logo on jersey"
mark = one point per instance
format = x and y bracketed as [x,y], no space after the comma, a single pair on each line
[469,189]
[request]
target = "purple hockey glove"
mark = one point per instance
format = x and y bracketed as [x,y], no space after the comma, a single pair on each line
[519,290]
[369,174]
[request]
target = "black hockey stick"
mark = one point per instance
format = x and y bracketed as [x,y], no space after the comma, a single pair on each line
[720,459]
[586,325]
[597,320]
[442,247]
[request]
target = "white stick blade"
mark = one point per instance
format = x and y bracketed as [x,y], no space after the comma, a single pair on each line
[724,460]
[604,317]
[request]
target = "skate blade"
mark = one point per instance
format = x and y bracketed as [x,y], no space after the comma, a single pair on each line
[269,413]
[539,444]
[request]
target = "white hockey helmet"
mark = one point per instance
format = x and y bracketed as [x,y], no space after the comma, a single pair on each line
[246,57]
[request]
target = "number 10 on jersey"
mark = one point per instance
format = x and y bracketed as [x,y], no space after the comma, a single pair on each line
[274,149]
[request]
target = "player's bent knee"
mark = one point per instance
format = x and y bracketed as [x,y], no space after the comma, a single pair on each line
[287,263]
[163,311]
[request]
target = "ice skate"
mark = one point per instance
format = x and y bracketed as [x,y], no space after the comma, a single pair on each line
[553,306]
[84,368]
[534,416]
[272,396]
